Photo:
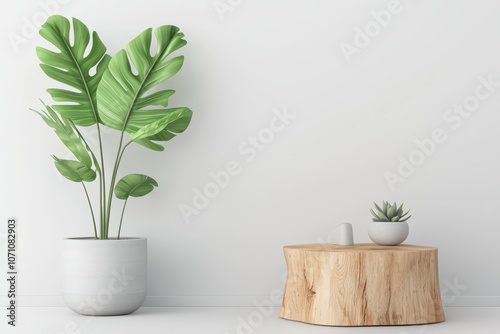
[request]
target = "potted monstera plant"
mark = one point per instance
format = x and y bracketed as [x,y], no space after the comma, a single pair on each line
[105,274]
[389,226]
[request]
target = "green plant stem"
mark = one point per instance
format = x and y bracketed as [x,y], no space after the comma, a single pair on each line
[120,150]
[113,180]
[102,184]
[91,209]
[121,218]
[102,177]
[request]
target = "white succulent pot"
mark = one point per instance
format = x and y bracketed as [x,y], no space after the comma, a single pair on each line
[104,277]
[388,233]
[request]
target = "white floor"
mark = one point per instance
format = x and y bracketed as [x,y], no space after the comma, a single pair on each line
[231,320]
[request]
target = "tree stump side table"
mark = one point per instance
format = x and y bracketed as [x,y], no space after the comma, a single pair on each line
[362,285]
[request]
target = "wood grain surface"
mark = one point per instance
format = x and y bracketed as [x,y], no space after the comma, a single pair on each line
[362,285]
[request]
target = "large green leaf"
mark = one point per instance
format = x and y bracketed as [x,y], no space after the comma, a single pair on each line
[149,144]
[177,119]
[135,185]
[73,67]
[66,132]
[122,96]
[74,170]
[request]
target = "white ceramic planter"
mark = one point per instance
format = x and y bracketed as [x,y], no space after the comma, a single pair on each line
[104,277]
[388,233]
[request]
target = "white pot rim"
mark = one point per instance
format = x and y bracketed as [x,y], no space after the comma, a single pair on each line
[122,239]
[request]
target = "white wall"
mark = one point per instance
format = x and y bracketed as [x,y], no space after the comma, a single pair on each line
[353,120]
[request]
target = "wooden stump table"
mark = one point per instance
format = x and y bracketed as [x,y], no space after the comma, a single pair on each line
[362,285]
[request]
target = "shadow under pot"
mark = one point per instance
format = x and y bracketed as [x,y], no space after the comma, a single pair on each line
[104,277]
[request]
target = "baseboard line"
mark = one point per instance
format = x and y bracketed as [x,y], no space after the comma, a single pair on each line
[234,301]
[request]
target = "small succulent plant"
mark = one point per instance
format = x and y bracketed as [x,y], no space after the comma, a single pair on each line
[389,213]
